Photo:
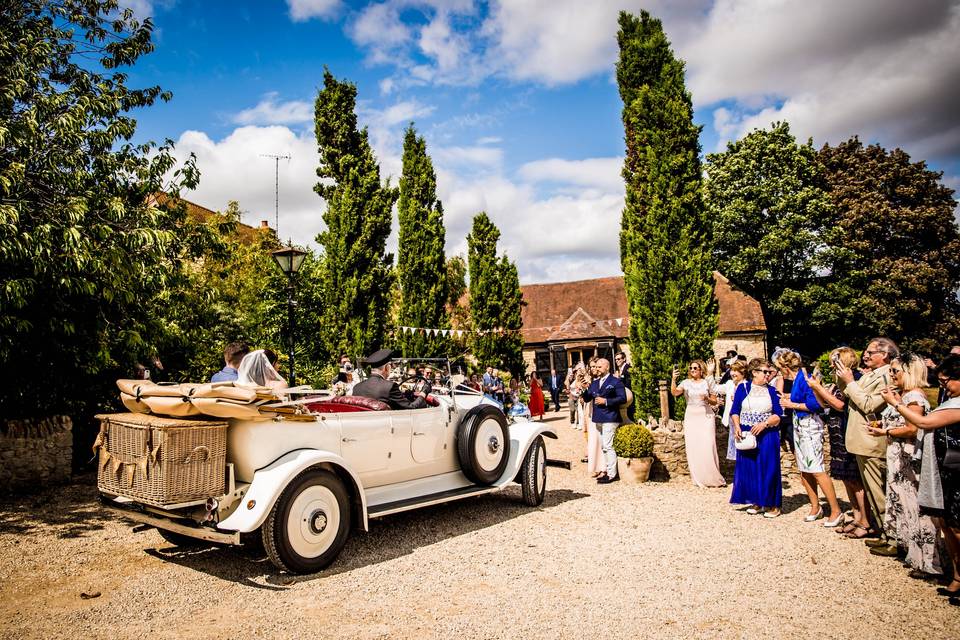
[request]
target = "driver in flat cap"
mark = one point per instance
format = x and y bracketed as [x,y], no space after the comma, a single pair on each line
[379,387]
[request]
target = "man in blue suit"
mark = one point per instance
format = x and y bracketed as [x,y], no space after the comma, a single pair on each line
[607,394]
[556,385]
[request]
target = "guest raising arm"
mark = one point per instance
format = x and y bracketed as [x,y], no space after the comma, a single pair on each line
[944,421]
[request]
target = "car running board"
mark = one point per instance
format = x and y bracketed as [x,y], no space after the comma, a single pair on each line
[450,495]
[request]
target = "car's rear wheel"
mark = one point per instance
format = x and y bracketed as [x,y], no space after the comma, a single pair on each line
[483,445]
[309,524]
[533,474]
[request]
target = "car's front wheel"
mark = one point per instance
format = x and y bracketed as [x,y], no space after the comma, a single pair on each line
[309,524]
[533,474]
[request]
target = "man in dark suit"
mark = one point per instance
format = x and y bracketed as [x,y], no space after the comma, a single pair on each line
[623,372]
[607,394]
[379,387]
[555,385]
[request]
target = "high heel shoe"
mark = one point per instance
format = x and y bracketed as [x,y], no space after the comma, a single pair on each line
[816,516]
[833,523]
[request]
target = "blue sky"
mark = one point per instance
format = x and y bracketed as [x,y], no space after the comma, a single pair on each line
[517,101]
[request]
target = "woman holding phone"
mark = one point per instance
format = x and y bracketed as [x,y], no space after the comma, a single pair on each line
[843,464]
[944,422]
[808,432]
[903,522]
[699,424]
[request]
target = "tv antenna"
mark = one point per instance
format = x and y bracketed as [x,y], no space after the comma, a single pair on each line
[276,186]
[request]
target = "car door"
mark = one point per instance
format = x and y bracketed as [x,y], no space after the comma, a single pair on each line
[366,438]
[428,434]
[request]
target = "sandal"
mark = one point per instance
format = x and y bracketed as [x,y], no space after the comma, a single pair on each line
[867,533]
[846,527]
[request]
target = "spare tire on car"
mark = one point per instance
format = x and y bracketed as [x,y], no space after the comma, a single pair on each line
[483,444]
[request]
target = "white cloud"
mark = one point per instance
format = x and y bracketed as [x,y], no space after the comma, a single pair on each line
[399,113]
[302,10]
[601,173]
[490,140]
[234,169]
[269,111]
[467,157]
[886,70]
[582,199]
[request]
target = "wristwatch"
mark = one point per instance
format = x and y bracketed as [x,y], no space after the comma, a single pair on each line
[900,404]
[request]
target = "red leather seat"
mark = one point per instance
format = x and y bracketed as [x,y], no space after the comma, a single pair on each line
[347,404]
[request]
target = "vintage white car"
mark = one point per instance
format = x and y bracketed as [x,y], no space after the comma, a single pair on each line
[302,481]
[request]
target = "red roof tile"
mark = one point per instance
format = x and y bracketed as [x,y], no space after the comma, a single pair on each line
[590,308]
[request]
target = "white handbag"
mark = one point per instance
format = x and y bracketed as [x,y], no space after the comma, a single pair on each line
[746,442]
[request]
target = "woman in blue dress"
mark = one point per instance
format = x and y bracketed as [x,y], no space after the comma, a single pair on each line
[756,408]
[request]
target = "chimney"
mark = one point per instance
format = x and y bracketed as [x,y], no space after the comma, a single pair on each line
[264,224]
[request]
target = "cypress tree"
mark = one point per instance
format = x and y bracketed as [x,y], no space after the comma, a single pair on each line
[664,239]
[495,300]
[421,266]
[510,343]
[355,269]
[485,302]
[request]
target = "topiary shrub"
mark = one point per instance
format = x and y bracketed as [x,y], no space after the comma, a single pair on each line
[633,441]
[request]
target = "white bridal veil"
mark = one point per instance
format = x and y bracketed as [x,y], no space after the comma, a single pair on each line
[255,369]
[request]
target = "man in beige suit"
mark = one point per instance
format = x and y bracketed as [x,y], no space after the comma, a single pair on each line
[871,451]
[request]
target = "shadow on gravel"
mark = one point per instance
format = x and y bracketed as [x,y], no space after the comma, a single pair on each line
[71,510]
[389,537]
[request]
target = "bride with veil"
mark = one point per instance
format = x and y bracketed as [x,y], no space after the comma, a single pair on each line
[256,370]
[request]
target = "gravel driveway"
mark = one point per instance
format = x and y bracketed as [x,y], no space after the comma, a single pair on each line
[653,560]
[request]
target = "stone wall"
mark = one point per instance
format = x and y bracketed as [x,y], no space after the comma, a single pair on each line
[670,453]
[35,453]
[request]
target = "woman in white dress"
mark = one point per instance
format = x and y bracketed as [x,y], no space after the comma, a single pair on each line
[738,372]
[699,424]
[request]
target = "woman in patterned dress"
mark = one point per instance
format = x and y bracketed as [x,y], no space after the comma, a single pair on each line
[843,464]
[944,421]
[902,520]
[808,432]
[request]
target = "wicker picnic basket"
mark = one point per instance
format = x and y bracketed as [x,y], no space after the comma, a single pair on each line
[161,461]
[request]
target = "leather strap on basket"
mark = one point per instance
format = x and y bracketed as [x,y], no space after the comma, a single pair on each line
[197,450]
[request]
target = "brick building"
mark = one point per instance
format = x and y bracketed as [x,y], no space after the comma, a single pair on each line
[566,322]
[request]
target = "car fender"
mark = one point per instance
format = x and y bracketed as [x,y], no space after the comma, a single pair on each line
[270,481]
[522,435]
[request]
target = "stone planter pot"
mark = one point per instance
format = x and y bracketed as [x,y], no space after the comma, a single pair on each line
[634,470]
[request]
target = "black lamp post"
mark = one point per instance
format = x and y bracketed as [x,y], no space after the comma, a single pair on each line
[289,260]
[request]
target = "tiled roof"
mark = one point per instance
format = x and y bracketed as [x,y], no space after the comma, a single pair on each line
[549,306]
[245,232]
[591,308]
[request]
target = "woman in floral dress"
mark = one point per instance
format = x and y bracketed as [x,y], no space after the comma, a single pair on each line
[902,520]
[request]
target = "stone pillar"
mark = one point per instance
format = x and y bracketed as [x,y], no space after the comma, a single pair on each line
[664,400]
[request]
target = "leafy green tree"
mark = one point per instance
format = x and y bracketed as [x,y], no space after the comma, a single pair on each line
[421,267]
[355,271]
[665,239]
[771,221]
[87,251]
[893,268]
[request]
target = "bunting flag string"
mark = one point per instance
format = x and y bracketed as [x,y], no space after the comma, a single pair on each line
[459,333]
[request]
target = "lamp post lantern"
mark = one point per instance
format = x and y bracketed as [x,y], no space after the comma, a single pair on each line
[289,260]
